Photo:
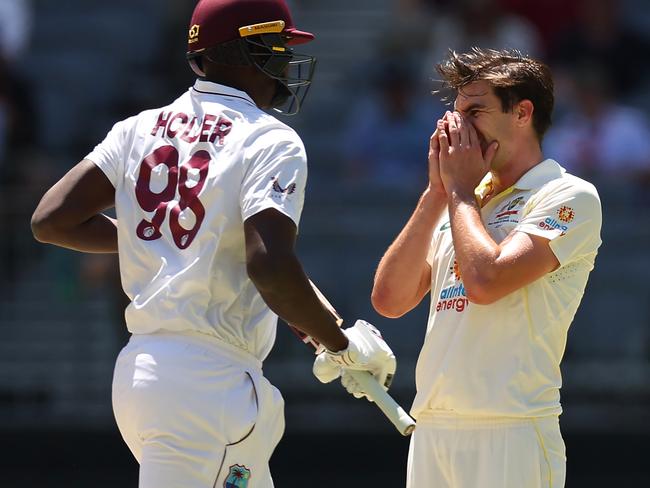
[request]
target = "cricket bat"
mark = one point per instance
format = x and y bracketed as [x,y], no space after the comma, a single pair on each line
[396,414]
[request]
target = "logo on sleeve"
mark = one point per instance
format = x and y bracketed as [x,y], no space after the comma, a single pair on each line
[277,188]
[552,224]
[237,477]
[566,214]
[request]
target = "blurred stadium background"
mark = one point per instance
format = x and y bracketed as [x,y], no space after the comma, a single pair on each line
[69,69]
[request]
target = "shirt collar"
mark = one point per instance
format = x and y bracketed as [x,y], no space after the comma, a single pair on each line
[210,88]
[535,177]
[539,175]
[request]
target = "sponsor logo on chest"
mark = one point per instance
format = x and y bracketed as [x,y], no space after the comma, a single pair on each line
[453,297]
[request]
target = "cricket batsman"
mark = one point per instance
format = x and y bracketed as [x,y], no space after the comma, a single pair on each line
[208,192]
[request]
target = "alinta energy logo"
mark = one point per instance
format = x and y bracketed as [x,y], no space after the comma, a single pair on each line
[565,215]
[453,297]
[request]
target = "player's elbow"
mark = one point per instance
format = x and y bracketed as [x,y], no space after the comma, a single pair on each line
[480,291]
[389,312]
[478,297]
[44,227]
[481,282]
[384,304]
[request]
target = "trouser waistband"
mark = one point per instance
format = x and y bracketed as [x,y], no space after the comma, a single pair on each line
[206,342]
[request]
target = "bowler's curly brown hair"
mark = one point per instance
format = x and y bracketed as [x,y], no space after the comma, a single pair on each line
[513,77]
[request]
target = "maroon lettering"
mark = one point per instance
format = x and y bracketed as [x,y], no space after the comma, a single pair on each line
[161,124]
[171,131]
[158,202]
[457,304]
[150,201]
[189,198]
[222,129]
[211,129]
[186,135]
[208,126]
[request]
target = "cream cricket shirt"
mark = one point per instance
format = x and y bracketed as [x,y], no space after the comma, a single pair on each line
[503,359]
[186,176]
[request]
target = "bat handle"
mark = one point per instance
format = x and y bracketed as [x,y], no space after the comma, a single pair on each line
[396,414]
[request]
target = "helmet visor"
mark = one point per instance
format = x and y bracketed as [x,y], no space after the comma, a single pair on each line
[293,71]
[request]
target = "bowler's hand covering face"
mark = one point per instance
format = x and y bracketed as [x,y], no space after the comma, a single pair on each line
[462,163]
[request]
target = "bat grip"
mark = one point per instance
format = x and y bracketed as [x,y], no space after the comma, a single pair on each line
[396,414]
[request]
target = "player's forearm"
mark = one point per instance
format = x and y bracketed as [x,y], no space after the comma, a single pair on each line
[476,252]
[402,277]
[285,288]
[96,235]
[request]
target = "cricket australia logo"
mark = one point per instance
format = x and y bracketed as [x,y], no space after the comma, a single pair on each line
[238,477]
[508,212]
[277,188]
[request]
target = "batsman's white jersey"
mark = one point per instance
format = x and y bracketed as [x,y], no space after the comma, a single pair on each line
[186,176]
[503,359]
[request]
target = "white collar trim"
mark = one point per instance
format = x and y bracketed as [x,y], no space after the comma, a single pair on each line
[210,88]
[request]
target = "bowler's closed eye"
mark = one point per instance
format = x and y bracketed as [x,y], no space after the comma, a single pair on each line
[473,109]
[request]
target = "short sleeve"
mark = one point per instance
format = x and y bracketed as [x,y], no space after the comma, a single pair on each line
[276,175]
[570,217]
[109,154]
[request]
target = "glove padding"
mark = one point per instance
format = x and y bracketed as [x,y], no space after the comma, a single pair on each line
[353,388]
[366,351]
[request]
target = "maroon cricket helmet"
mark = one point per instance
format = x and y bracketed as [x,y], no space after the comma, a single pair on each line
[217,21]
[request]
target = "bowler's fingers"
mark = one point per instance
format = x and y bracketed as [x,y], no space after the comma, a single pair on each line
[454,134]
[443,139]
[463,135]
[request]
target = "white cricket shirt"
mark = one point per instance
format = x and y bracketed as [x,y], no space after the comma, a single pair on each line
[186,177]
[503,359]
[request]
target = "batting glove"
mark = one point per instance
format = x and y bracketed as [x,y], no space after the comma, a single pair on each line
[367,351]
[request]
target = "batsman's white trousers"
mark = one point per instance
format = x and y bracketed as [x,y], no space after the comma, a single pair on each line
[460,452]
[196,412]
